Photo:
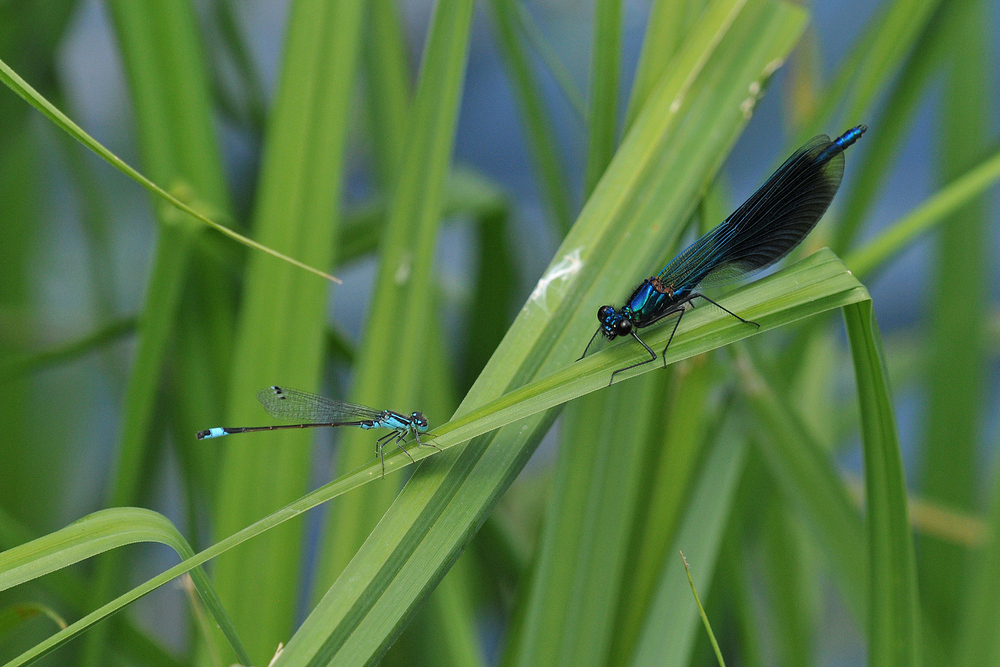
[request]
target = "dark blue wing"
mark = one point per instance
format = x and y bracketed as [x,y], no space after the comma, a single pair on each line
[769,224]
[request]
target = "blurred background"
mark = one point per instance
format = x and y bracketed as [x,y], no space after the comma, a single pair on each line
[77,244]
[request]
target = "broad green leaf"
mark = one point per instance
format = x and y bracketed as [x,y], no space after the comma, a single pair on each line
[387,73]
[666,28]
[584,558]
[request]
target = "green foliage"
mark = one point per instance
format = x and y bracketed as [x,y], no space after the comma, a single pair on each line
[728,455]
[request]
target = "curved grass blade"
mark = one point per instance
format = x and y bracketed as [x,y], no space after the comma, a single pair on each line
[97,533]
[537,124]
[893,607]
[32,97]
[13,615]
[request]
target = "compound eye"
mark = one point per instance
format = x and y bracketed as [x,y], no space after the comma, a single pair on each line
[605,312]
[418,419]
[623,327]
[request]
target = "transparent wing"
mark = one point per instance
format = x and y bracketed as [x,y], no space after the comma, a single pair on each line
[768,225]
[305,408]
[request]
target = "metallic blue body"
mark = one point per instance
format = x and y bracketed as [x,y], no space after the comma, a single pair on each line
[646,305]
[764,229]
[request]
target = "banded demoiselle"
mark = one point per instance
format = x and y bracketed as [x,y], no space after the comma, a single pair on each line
[312,410]
[764,229]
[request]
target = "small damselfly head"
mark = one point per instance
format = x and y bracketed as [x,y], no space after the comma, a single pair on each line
[419,422]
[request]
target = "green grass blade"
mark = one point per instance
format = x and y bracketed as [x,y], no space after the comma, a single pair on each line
[100,532]
[389,371]
[562,76]
[252,109]
[869,258]
[808,481]
[69,589]
[873,61]
[468,194]
[494,294]
[541,136]
[281,327]
[11,79]
[445,630]
[686,417]
[671,626]
[666,27]
[979,636]
[793,583]
[874,164]
[12,367]
[701,612]
[169,88]
[956,381]
[893,607]
[13,615]
[605,65]
[387,73]
[583,557]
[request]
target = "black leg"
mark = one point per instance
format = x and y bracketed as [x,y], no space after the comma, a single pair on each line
[589,344]
[669,340]
[652,358]
[399,439]
[416,435]
[380,446]
[725,309]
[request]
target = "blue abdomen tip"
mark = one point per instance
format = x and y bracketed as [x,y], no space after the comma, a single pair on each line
[851,136]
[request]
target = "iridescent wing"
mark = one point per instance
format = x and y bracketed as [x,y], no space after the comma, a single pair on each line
[300,406]
[768,225]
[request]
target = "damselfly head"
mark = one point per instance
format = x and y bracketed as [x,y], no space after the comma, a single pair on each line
[614,323]
[418,420]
